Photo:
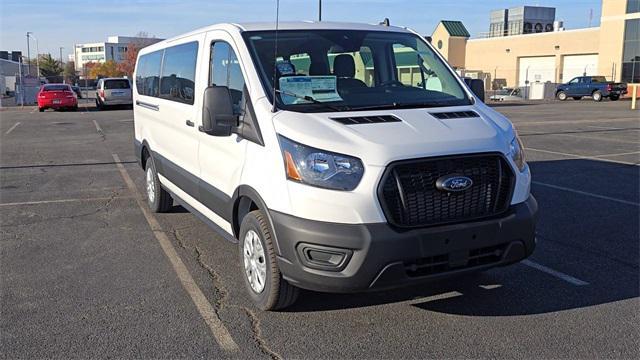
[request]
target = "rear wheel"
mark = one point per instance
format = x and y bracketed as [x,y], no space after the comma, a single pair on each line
[597,96]
[99,105]
[561,95]
[159,199]
[262,277]
[41,109]
[577,98]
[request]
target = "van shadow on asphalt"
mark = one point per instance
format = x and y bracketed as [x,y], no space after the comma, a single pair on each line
[578,235]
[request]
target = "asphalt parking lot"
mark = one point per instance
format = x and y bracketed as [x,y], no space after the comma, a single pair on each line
[83,275]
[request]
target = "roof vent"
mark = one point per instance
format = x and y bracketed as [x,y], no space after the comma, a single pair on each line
[356,120]
[455,115]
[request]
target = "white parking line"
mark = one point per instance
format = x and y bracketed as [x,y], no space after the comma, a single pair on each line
[581,156]
[13,127]
[62,201]
[596,138]
[586,193]
[619,154]
[562,276]
[605,127]
[98,128]
[567,122]
[206,310]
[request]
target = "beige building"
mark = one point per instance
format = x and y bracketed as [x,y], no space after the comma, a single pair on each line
[612,50]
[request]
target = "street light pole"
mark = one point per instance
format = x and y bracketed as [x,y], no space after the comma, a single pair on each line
[28,53]
[319,10]
[30,34]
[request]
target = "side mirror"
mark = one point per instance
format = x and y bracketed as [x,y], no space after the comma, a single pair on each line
[217,112]
[477,87]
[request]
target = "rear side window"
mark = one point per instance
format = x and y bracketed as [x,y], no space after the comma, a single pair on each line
[179,73]
[148,74]
[116,84]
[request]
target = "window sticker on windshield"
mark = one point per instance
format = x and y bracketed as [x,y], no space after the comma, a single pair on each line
[320,88]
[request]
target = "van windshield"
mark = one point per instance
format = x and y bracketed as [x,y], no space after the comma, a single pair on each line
[321,70]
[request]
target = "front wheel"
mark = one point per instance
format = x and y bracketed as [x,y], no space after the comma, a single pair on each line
[41,109]
[561,95]
[262,277]
[597,96]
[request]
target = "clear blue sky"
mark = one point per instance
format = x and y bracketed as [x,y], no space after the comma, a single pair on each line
[66,22]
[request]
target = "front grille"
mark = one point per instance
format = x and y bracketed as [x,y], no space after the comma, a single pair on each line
[441,263]
[409,196]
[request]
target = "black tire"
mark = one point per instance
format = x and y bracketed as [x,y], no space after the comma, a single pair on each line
[561,95]
[614,97]
[597,96]
[99,105]
[41,109]
[158,199]
[577,98]
[277,292]
[75,108]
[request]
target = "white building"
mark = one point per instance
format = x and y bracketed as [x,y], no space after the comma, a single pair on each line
[114,48]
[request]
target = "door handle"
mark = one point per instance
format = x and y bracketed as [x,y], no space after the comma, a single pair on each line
[147,105]
[189,123]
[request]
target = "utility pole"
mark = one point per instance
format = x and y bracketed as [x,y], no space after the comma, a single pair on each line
[61,66]
[28,53]
[319,10]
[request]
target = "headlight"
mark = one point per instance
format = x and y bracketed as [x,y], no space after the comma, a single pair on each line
[517,153]
[320,168]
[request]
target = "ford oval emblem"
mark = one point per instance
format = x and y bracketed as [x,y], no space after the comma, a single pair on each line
[453,183]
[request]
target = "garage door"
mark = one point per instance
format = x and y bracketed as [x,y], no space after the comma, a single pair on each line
[578,65]
[536,69]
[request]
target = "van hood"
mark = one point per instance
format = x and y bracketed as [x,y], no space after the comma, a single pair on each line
[418,134]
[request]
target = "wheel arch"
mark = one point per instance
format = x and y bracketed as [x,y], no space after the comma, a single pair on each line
[144,154]
[246,199]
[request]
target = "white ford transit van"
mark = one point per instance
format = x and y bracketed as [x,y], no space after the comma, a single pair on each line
[340,157]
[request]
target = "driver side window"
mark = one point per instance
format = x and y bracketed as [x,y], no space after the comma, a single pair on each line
[225,71]
[412,70]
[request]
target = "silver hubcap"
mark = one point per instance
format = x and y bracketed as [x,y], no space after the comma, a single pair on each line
[151,186]
[255,267]
[562,96]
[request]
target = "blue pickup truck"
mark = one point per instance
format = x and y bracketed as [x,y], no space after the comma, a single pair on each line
[595,86]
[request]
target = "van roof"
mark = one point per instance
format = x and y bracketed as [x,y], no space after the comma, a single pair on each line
[284,25]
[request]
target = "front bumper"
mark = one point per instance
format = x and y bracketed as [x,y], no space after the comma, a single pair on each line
[363,257]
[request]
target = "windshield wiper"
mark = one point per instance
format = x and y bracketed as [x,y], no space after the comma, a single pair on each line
[310,99]
[396,105]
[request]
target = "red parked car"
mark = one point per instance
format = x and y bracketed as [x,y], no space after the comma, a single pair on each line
[57,96]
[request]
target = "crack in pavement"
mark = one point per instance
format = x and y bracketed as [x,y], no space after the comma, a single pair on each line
[216,279]
[257,333]
[221,301]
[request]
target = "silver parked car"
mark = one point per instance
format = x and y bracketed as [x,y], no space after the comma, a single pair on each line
[507,94]
[113,91]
